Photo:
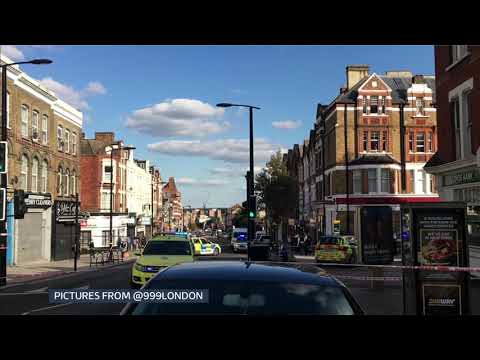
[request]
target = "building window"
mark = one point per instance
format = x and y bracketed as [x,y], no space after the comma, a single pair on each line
[410,141]
[365,140]
[420,105]
[44,176]
[105,204]
[383,108]
[385,180]
[25,121]
[45,129]
[466,102]
[421,181]
[60,138]
[8,109]
[24,173]
[60,181]
[457,52]
[105,237]
[365,109]
[412,180]
[66,182]
[357,181]
[67,140]
[432,183]
[420,144]
[372,180]
[73,183]
[74,144]
[455,115]
[35,133]
[384,141]
[374,104]
[429,141]
[374,140]
[107,173]
[35,175]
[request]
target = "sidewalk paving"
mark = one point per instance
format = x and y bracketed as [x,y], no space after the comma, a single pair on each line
[47,269]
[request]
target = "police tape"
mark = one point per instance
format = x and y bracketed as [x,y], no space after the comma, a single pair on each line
[368,278]
[440,268]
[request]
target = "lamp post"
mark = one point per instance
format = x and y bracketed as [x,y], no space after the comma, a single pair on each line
[3,225]
[251,220]
[119,147]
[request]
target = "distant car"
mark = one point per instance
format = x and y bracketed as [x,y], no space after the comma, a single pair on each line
[203,246]
[160,252]
[246,288]
[239,240]
[336,248]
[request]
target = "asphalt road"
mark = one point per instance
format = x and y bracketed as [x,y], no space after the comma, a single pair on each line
[375,297]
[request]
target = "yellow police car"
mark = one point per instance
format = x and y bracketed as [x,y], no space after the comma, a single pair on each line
[336,248]
[205,247]
[159,253]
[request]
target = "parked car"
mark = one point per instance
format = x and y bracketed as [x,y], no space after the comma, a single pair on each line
[336,248]
[248,288]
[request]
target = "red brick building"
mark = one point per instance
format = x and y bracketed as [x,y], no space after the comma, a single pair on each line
[95,188]
[457,161]
[173,206]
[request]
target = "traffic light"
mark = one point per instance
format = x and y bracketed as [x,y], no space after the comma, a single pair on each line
[252,213]
[3,157]
[19,204]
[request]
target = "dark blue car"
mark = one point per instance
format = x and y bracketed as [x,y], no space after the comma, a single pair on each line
[246,288]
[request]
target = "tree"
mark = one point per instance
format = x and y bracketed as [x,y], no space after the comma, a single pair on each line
[240,219]
[274,168]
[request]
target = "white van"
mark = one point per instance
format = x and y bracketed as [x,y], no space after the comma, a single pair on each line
[239,240]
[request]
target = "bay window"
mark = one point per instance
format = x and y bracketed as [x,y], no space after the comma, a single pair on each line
[374,140]
[385,180]
[357,181]
[374,104]
[372,180]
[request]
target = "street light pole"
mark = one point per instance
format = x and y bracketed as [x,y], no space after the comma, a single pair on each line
[250,180]
[4,185]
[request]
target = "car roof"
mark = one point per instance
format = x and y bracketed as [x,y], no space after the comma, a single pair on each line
[169,238]
[272,272]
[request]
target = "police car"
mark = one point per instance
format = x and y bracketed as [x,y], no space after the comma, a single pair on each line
[205,247]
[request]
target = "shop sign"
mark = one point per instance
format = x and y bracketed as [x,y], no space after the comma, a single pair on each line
[442,299]
[459,178]
[38,201]
[65,210]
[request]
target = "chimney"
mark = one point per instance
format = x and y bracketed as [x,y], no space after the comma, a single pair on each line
[105,137]
[83,135]
[355,73]
[343,90]
[418,79]
[398,74]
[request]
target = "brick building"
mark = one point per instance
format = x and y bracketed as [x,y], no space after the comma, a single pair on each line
[457,161]
[173,206]
[43,136]
[367,148]
[95,189]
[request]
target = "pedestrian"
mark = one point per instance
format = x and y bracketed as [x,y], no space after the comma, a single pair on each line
[124,248]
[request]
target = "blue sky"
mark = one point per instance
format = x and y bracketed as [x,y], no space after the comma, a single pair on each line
[176,88]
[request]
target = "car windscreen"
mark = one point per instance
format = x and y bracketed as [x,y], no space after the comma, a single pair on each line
[328,240]
[256,298]
[170,247]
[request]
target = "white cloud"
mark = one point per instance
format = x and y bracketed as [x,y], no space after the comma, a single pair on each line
[179,117]
[228,150]
[95,87]
[76,98]
[234,171]
[200,183]
[287,124]
[12,52]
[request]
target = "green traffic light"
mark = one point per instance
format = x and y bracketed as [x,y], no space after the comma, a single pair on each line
[251,214]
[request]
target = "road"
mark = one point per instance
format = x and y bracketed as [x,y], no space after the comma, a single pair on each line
[375,297]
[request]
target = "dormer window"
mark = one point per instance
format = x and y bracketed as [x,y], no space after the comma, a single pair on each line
[374,104]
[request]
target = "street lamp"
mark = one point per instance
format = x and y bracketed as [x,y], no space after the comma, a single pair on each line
[251,219]
[3,225]
[119,147]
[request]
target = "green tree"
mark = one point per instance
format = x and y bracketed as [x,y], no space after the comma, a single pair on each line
[274,168]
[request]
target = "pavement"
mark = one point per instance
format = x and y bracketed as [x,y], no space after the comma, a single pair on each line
[47,269]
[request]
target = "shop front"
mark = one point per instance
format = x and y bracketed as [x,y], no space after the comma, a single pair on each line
[32,239]
[97,228]
[65,228]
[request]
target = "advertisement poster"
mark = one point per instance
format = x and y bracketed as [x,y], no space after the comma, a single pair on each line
[442,299]
[377,235]
[438,240]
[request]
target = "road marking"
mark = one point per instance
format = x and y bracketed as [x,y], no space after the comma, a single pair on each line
[46,308]
[41,290]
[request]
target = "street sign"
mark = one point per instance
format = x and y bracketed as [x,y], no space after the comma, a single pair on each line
[3,199]
[3,157]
